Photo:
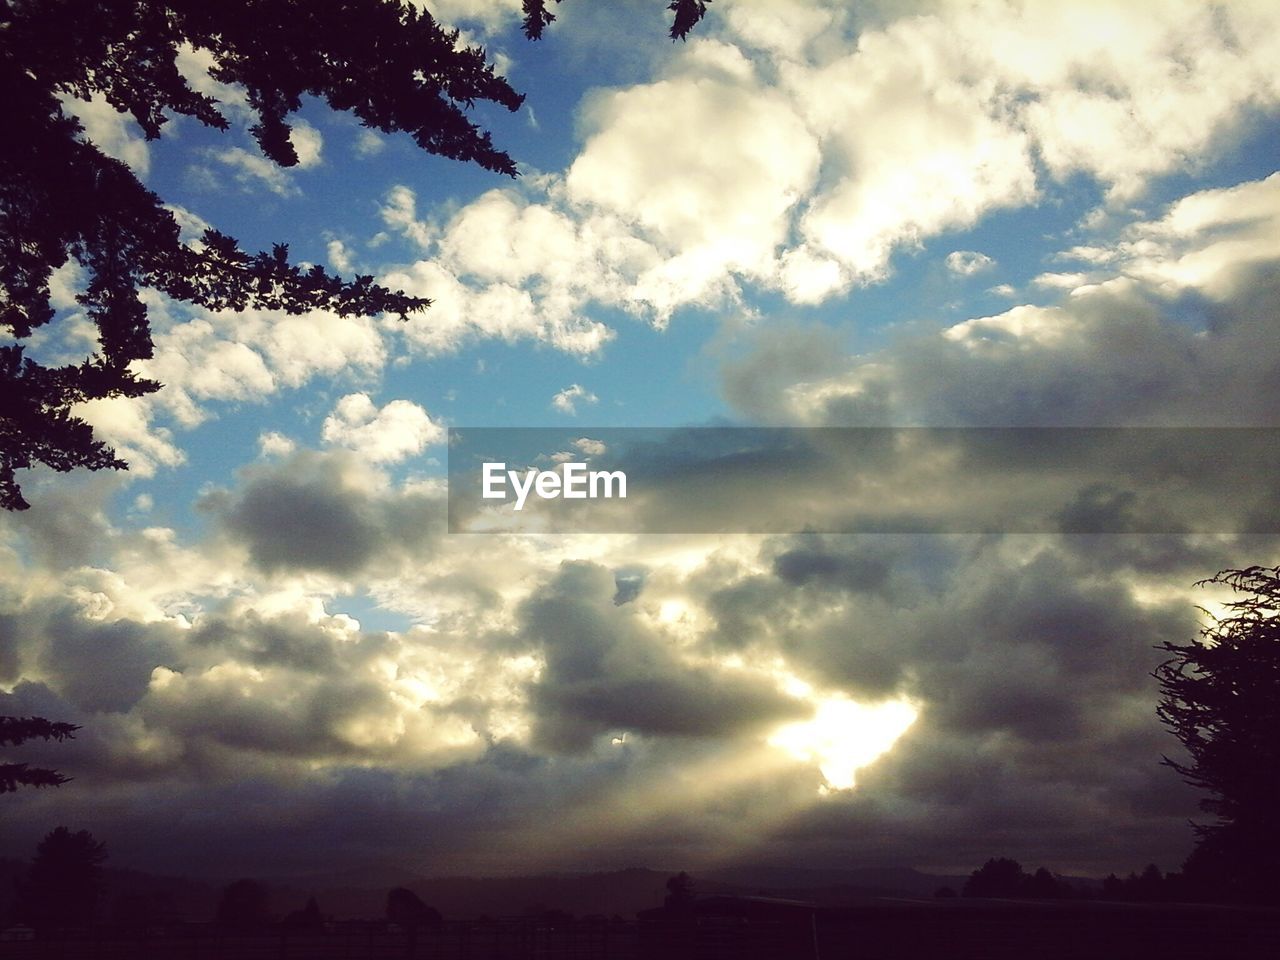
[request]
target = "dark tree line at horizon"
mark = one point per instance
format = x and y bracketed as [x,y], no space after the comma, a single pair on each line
[1005,878]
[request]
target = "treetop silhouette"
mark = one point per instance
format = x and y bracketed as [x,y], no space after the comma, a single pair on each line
[63,884]
[243,905]
[1220,696]
[61,198]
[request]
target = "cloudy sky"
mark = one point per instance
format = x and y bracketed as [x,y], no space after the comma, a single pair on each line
[813,213]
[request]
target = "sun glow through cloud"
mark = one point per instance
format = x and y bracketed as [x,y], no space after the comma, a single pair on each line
[843,736]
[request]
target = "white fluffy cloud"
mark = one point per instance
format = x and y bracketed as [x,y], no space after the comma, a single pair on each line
[113,132]
[307,143]
[817,159]
[717,201]
[1204,238]
[489,15]
[253,169]
[125,425]
[388,434]
[968,262]
[1125,343]
[252,354]
[567,400]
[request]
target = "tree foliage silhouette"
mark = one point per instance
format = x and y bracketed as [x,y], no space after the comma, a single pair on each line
[998,877]
[681,894]
[61,198]
[1220,696]
[407,909]
[308,917]
[62,886]
[16,730]
[243,905]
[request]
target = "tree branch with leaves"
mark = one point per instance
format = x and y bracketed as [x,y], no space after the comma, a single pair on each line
[387,62]
[18,730]
[1220,696]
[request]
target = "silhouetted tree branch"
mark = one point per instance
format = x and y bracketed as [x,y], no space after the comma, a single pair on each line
[61,198]
[686,14]
[17,730]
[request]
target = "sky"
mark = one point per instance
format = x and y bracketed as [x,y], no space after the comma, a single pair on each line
[810,214]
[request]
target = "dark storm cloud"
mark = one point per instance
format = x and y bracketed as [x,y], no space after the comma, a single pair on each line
[782,357]
[858,572]
[65,528]
[290,714]
[609,672]
[1030,660]
[105,666]
[303,525]
[868,480]
[954,799]
[324,513]
[1023,644]
[477,815]
[96,664]
[1117,354]
[9,658]
[288,640]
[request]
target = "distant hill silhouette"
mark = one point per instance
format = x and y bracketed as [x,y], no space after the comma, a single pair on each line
[187,898]
[853,883]
[362,892]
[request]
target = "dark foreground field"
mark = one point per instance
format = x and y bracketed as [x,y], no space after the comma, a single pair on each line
[880,930]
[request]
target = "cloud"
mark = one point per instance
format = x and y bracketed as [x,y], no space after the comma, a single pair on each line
[1061,281]
[113,132]
[968,262]
[1205,239]
[719,201]
[326,513]
[508,268]
[325,661]
[505,706]
[125,425]
[389,434]
[195,64]
[253,169]
[489,15]
[928,123]
[272,443]
[103,665]
[251,354]
[369,144]
[339,256]
[307,143]
[784,360]
[567,400]
[400,212]
[1117,349]
[607,670]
